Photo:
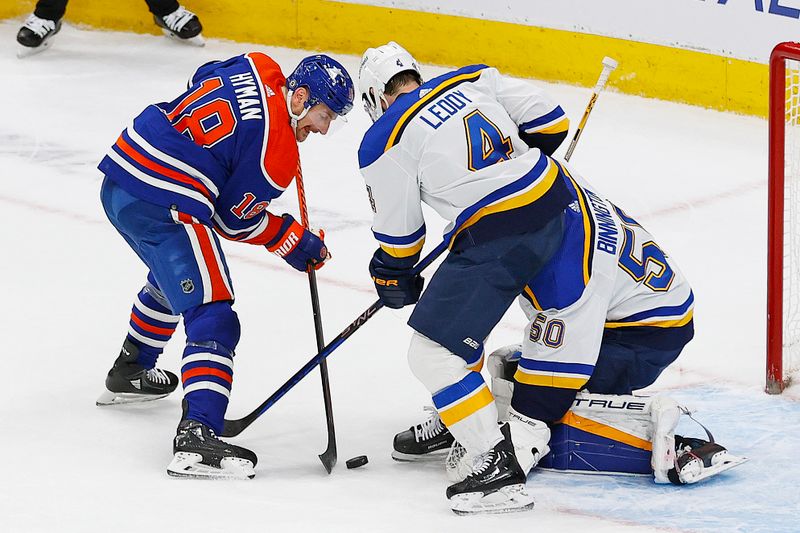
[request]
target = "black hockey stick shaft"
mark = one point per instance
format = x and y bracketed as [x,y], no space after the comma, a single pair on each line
[235,427]
[328,457]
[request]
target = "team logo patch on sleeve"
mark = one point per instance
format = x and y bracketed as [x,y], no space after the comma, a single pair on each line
[187,285]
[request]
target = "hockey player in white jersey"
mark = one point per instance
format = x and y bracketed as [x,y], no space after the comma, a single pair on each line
[474,146]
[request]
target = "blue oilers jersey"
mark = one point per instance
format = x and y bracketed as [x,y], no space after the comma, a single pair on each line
[220,152]
[455,143]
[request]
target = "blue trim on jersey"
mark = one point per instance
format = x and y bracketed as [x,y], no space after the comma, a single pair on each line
[552,366]
[549,117]
[515,186]
[676,310]
[561,281]
[406,239]
[472,382]
[374,143]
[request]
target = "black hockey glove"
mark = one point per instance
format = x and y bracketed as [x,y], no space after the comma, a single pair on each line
[396,287]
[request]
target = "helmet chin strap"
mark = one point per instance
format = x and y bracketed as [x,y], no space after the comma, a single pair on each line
[292,117]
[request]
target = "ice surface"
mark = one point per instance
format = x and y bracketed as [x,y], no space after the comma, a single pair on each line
[695,178]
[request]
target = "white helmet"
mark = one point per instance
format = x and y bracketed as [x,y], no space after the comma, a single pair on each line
[378,66]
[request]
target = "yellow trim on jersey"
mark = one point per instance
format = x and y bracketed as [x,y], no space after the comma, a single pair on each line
[674,323]
[587,229]
[469,406]
[596,428]
[395,251]
[550,380]
[434,93]
[536,192]
[477,366]
[558,127]
[534,301]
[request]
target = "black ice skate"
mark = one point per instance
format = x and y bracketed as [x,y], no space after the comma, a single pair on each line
[182,25]
[130,382]
[698,459]
[428,440]
[199,453]
[34,36]
[497,484]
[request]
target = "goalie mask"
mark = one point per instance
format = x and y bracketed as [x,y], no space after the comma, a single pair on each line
[378,66]
[327,82]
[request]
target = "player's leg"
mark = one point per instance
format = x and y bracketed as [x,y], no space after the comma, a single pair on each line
[40,27]
[134,376]
[465,299]
[176,21]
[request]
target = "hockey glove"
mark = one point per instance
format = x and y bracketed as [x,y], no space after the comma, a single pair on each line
[298,246]
[396,287]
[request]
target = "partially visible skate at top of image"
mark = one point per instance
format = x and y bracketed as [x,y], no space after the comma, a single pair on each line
[130,382]
[199,453]
[35,35]
[183,26]
[698,459]
[426,441]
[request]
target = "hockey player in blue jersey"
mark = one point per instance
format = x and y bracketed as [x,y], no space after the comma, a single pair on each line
[183,173]
[608,310]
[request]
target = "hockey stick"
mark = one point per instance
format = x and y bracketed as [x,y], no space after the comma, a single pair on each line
[234,427]
[608,67]
[328,457]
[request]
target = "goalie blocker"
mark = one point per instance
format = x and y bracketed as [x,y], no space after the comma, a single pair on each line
[620,434]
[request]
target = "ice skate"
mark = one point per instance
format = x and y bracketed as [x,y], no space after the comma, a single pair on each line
[130,382]
[698,459]
[183,26]
[497,484]
[199,453]
[35,35]
[425,441]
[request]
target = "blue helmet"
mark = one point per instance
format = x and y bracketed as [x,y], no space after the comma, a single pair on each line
[327,82]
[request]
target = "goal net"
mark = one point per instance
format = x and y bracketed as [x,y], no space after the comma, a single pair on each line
[783,275]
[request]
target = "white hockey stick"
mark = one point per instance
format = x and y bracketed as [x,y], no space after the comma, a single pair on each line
[609,65]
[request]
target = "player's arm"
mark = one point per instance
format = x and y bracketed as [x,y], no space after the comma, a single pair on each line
[542,123]
[399,227]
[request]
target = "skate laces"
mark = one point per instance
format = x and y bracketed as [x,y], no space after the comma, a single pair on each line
[158,376]
[178,18]
[39,26]
[432,427]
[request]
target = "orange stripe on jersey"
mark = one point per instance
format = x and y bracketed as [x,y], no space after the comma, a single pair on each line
[206,371]
[152,329]
[281,156]
[160,169]
[206,87]
[219,291]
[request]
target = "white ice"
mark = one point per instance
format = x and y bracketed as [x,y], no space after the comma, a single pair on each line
[695,178]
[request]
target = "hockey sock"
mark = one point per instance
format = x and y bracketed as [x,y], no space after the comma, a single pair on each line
[151,325]
[212,332]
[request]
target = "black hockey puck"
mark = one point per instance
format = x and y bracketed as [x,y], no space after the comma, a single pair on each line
[355,462]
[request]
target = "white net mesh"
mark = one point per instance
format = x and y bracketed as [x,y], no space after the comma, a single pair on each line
[791,225]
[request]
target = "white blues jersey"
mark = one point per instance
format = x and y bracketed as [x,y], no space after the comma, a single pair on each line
[456,143]
[609,274]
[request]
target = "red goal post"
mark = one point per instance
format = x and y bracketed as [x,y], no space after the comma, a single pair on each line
[783,253]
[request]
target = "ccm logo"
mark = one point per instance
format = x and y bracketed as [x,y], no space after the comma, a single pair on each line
[287,245]
[385,282]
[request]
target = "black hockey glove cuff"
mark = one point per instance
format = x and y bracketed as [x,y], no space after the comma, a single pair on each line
[396,287]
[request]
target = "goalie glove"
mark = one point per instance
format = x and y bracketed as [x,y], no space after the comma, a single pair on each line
[298,246]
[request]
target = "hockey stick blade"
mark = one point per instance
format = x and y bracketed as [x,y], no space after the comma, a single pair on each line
[235,427]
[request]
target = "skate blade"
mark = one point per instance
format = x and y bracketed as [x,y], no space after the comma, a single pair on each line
[197,40]
[419,458]
[121,398]
[719,464]
[27,51]
[189,465]
[510,499]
